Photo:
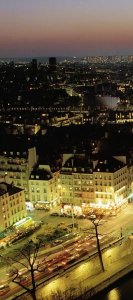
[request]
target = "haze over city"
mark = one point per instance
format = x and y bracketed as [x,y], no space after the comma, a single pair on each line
[65,28]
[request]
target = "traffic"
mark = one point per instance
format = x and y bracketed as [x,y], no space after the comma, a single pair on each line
[49,264]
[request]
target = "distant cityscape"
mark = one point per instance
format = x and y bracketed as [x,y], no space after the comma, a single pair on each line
[81,59]
[66,128]
[40,99]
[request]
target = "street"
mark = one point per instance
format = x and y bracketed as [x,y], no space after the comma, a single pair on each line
[123,220]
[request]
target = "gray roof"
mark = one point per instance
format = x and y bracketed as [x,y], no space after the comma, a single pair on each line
[110,165]
[9,188]
[40,174]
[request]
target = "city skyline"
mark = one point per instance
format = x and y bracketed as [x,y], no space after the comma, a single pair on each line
[60,28]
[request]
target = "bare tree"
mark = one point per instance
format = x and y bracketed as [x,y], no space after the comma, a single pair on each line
[27,258]
[96,221]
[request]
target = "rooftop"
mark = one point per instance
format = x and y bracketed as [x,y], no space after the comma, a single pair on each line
[40,174]
[109,165]
[79,163]
[8,188]
[16,144]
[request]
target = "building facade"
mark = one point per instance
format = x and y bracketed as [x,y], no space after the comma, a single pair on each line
[97,184]
[16,165]
[12,205]
[43,186]
[110,184]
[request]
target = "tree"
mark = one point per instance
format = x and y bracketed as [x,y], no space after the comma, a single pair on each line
[96,222]
[27,258]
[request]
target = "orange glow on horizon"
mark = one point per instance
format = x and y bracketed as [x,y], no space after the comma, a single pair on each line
[74,26]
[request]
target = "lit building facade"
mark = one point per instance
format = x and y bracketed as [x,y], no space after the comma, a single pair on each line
[12,205]
[43,186]
[76,180]
[110,184]
[16,165]
[121,116]
[97,184]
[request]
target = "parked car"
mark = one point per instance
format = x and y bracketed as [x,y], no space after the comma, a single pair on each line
[80,217]
[54,214]
[63,215]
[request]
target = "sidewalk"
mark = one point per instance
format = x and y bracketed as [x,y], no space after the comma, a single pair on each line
[101,281]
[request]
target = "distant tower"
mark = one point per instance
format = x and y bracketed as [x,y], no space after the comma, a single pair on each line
[52,63]
[34,66]
[33,71]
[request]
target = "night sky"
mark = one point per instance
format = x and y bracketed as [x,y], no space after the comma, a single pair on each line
[66,27]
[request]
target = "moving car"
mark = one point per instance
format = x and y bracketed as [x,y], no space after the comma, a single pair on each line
[4,289]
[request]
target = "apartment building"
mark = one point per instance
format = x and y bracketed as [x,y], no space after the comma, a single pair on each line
[110,184]
[44,186]
[76,180]
[16,162]
[87,183]
[12,205]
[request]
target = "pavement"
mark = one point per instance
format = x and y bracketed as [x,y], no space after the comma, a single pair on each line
[105,279]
